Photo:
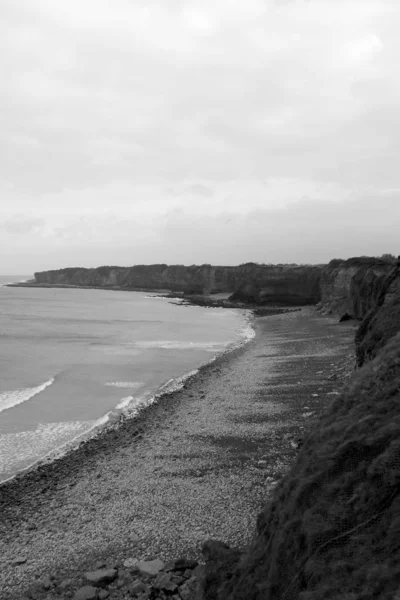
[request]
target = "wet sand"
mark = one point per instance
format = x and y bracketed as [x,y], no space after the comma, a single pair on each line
[198,464]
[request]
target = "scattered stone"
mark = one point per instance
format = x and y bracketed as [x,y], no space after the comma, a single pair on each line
[188,590]
[87,592]
[65,584]
[164,582]
[271,480]
[130,562]
[187,574]
[47,583]
[137,587]
[20,560]
[101,576]
[151,567]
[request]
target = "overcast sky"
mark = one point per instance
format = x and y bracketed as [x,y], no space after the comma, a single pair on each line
[198,131]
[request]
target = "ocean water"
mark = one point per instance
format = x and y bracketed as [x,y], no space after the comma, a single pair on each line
[70,359]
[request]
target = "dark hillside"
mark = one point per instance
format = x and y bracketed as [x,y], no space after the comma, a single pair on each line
[333,527]
[383,321]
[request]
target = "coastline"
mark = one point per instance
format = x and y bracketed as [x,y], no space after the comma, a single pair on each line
[136,463]
[131,409]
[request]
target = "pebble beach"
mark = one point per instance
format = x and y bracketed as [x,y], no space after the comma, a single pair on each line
[198,464]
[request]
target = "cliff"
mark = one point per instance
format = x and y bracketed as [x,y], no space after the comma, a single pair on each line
[351,286]
[332,528]
[251,283]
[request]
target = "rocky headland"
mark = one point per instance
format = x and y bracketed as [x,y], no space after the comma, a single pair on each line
[300,427]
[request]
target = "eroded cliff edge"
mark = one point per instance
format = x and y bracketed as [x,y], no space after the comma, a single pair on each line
[332,529]
[352,286]
[249,283]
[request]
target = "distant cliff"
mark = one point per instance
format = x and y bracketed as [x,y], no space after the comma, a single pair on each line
[251,283]
[351,286]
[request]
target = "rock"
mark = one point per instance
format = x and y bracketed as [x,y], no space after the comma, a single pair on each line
[181,564]
[164,582]
[20,560]
[65,584]
[137,587]
[47,583]
[101,576]
[103,594]
[188,590]
[35,591]
[130,562]
[345,317]
[87,592]
[151,567]
[187,574]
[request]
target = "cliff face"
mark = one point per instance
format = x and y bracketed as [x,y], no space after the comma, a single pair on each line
[249,283]
[353,286]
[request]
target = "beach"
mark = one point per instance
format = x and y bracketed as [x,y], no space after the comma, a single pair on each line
[198,464]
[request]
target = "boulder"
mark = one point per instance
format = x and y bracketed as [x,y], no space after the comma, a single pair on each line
[181,564]
[164,582]
[137,587]
[129,563]
[150,567]
[101,576]
[87,592]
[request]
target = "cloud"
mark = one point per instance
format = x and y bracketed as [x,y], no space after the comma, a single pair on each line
[215,108]
[22,225]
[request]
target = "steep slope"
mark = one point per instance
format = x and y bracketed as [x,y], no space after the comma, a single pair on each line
[332,529]
[353,286]
[382,322]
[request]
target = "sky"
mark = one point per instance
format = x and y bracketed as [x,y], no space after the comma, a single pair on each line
[198,131]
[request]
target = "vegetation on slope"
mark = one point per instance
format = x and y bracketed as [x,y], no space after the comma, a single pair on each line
[382,322]
[333,527]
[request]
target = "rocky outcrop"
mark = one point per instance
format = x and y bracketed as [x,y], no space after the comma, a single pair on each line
[249,283]
[352,286]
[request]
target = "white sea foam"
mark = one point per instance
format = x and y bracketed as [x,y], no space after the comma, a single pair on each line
[132,405]
[124,384]
[124,402]
[182,345]
[15,397]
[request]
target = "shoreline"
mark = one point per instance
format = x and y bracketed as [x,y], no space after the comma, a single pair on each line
[114,492]
[118,420]
[117,416]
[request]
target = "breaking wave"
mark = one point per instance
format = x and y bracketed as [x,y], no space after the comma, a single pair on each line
[15,397]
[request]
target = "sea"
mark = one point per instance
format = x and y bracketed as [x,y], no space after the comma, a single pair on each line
[73,359]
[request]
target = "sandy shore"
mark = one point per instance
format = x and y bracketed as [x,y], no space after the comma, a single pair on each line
[198,464]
